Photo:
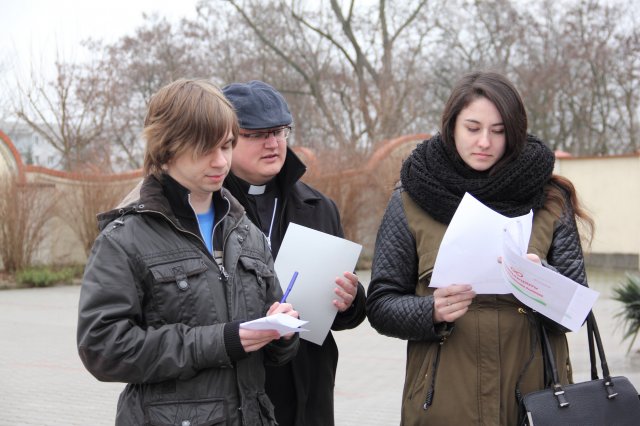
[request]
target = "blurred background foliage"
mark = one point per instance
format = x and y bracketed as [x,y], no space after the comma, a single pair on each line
[355,73]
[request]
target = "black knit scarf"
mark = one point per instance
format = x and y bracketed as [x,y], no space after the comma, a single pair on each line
[436,178]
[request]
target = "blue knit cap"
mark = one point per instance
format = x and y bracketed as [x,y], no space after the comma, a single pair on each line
[258,105]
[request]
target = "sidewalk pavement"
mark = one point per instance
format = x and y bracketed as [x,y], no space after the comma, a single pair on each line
[43,382]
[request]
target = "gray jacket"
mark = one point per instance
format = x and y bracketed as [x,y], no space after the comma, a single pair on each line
[157,312]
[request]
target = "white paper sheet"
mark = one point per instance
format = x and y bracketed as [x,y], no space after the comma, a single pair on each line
[471,246]
[283,323]
[318,258]
[544,290]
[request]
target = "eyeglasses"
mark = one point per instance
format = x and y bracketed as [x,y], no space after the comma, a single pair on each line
[282,133]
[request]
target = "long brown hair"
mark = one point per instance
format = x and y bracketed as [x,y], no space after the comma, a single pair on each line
[499,91]
[186,115]
[558,193]
[502,93]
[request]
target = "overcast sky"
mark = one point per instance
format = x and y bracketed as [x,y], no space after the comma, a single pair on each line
[32,30]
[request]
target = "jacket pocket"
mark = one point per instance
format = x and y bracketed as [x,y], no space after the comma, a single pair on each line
[204,412]
[175,286]
[258,268]
[420,369]
[258,280]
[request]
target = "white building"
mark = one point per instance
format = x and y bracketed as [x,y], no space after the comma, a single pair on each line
[33,149]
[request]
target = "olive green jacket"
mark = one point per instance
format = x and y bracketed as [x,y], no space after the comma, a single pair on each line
[488,355]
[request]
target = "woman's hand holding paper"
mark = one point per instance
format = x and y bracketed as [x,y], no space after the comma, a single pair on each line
[451,302]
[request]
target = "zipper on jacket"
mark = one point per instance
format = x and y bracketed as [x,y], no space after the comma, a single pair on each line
[432,388]
[215,225]
[224,275]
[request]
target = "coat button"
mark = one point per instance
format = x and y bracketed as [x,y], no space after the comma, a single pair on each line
[183,285]
[186,423]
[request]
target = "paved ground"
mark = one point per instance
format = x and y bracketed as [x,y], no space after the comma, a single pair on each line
[42,381]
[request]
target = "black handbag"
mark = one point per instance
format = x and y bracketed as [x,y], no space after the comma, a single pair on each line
[610,401]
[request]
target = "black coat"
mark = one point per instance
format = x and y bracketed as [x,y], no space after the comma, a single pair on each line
[302,391]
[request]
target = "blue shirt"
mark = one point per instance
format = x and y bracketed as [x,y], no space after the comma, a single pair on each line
[205,222]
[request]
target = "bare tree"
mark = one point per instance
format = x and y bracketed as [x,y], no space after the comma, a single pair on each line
[132,69]
[627,79]
[89,196]
[352,77]
[66,113]
[356,63]
[24,210]
[356,74]
[574,62]
[597,92]
[5,106]
[540,71]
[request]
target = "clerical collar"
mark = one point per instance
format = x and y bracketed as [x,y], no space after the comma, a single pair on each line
[257,189]
[267,188]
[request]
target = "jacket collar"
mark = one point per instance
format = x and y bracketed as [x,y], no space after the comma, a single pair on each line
[291,173]
[166,196]
[292,170]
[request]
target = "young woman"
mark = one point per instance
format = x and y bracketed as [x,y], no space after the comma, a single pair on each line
[470,357]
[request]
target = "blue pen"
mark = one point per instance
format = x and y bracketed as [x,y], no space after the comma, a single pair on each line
[286,293]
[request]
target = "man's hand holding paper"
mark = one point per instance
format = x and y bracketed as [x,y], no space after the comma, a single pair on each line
[346,290]
[281,321]
[322,288]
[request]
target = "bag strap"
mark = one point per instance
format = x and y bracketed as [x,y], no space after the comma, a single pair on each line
[592,352]
[549,359]
[592,334]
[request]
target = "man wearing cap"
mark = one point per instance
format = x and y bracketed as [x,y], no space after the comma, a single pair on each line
[265,178]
